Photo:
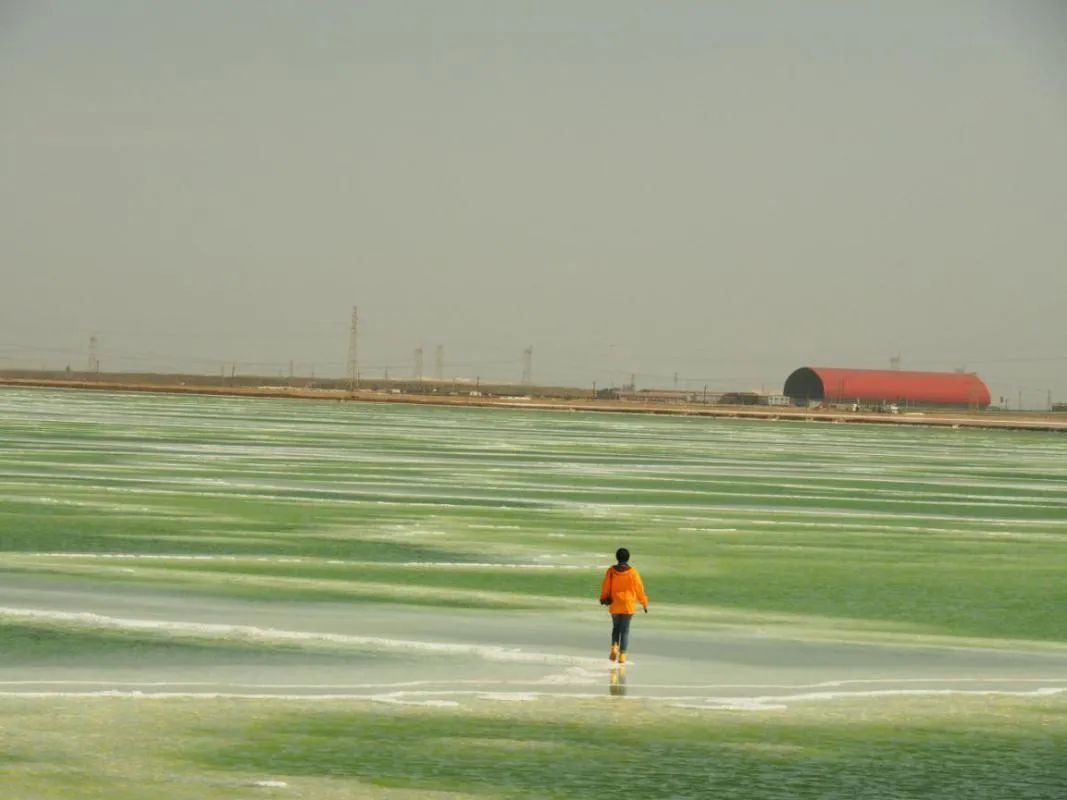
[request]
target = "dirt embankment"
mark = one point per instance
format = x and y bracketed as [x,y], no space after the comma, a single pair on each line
[938,418]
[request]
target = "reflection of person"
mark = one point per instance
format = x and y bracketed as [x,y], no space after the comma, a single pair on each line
[617,682]
[621,591]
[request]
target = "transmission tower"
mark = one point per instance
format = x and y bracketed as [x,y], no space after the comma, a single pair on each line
[439,362]
[353,351]
[894,362]
[94,360]
[527,365]
[418,363]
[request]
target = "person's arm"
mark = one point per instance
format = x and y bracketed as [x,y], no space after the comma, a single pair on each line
[640,586]
[605,587]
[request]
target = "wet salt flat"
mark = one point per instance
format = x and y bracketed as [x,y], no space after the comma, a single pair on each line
[390,653]
[166,546]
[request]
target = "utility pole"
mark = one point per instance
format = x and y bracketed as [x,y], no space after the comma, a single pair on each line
[439,362]
[290,369]
[1020,399]
[676,381]
[527,365]
[418,363]
[353,351]
[94,360]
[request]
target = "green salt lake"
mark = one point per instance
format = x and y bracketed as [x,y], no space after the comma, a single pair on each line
[244,589]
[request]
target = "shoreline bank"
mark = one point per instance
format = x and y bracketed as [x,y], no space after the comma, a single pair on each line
[950,419]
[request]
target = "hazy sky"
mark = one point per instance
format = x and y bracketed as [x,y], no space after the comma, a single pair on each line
[726,190]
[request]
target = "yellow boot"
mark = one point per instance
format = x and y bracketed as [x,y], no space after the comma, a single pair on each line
[622,658]
[614,654]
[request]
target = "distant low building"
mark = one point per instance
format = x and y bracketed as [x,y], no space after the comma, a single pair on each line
[740,398]
[773,400]
[659,396]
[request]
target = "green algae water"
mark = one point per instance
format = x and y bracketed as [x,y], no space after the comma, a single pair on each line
[828,602]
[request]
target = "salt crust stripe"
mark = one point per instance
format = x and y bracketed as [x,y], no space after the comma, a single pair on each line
[433,699]
[580,673]
[297,560]
[274,635]
[780,702]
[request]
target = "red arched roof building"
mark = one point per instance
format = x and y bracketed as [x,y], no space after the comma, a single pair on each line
[887,386]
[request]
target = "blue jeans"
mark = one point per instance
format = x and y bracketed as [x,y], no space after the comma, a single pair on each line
[620,630]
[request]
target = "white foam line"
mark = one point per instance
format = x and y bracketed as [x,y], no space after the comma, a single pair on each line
[582,674]
[162,557]
[275,636]
[397,698]
[185,557]
[297,560]
[433,698]
[509,697]
[483,565]
[779,702]
[212,696]
[850,682]
[111,683]
[273,559]
[514,682]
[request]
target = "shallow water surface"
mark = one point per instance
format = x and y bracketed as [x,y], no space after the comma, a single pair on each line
[180,548]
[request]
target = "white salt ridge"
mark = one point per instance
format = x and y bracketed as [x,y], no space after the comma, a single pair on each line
[436,698]
[780,702]
[577,675]
[398,698]
[275,636]
[297,560]
[493,565]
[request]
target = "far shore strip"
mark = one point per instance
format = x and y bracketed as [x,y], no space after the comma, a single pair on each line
[934,418]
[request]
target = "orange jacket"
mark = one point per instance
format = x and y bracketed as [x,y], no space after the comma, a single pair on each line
[623,585]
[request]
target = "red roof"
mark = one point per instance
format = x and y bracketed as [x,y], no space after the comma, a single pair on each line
[888,386]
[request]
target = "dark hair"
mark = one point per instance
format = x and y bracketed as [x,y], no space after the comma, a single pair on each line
[622,555]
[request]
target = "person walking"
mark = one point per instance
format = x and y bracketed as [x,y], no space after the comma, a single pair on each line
[621,591]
